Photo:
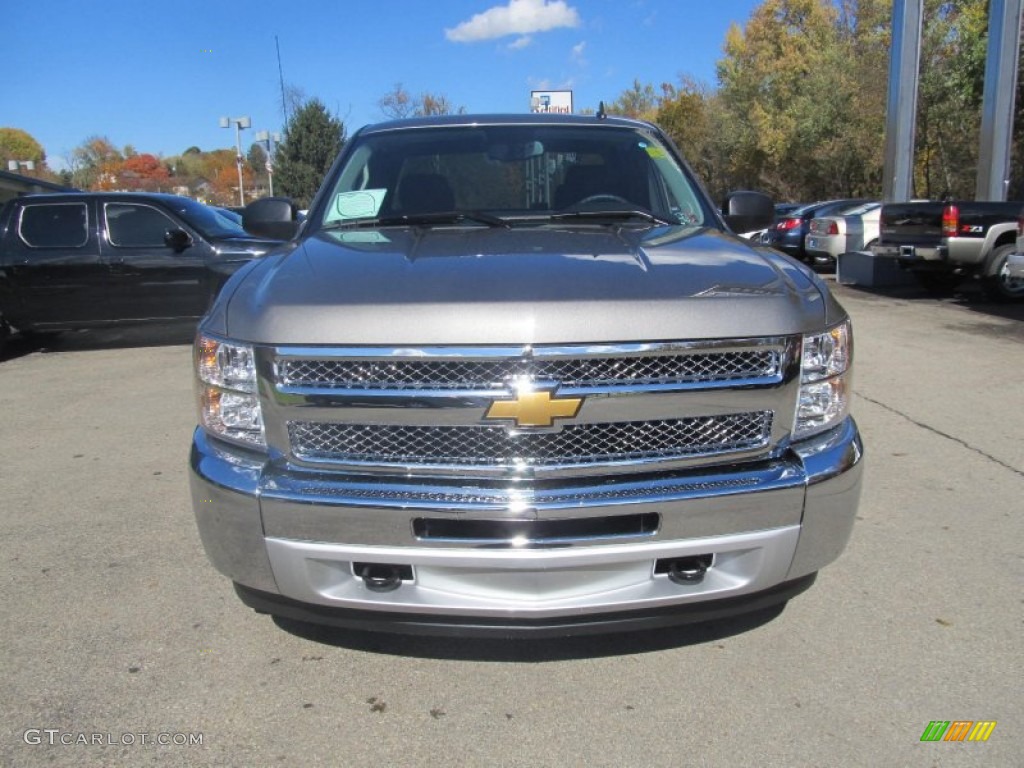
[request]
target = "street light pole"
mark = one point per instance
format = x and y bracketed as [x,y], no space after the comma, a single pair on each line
[240,123]
[271,140]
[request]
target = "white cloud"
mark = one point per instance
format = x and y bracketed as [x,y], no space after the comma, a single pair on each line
[546,84]
[577,52]
[519,17]
[520,42]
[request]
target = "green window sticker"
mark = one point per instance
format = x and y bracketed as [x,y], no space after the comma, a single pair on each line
[361,204]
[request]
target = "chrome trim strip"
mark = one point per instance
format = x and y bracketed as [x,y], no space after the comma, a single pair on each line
[529,350]
[575,500]
[695,504]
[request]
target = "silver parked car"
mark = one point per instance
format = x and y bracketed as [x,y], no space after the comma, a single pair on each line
[851,229]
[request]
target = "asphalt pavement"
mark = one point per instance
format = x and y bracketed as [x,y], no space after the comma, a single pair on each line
[122,646]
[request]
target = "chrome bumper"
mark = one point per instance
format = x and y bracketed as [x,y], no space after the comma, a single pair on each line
[298,535]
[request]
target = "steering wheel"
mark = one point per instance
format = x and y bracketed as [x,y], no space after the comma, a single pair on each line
[600,198]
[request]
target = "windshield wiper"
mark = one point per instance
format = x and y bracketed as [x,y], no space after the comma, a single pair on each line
[439,218]
[624,213]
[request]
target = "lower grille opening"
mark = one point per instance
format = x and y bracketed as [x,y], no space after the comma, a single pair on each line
[533,532]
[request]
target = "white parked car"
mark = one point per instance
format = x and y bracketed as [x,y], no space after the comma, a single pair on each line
[852,229]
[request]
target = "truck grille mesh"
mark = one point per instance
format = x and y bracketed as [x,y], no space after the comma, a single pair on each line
[575,444]
[419,374]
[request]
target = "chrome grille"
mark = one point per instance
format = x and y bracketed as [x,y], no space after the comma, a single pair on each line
[453,374]
[575,444]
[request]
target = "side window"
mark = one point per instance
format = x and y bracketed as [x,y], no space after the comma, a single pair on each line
[54,225]
[136,226]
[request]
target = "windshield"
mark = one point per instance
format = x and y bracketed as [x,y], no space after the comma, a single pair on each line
[515,172]
[208,221]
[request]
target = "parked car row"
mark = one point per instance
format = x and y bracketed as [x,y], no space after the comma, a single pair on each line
[789,234]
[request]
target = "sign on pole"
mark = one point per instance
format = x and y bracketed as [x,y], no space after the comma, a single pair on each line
[556,102]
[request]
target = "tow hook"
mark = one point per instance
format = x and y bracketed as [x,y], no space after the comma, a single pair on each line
[688,570]
[380,577]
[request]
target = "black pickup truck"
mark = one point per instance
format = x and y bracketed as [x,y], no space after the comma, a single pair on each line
[80,260]
[943,243]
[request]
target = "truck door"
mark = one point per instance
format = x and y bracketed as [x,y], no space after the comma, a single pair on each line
[150,279]
[54,272]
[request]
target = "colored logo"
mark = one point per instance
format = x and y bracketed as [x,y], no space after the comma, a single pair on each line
[535,409]
[958,730]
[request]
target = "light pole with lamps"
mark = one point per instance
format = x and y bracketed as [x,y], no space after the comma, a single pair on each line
[271,140]
[240,123]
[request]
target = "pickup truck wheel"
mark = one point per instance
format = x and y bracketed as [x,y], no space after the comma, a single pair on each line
[999,286]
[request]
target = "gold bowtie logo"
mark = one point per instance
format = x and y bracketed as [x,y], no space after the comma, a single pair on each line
[534,409]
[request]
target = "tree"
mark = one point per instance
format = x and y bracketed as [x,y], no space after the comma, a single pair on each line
[93,162]
[639,102]
[950,88]
[219,171]
[397,104]
[690,113]
[312,139]
[437,104]
[800,89]
[256,162]
[144,173]
[16,144]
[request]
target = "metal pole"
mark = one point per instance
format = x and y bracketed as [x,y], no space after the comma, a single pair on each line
[901,112]
[238,161]
[998,102]
[270,165]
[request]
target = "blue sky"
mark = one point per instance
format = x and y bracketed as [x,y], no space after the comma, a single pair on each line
[159,75]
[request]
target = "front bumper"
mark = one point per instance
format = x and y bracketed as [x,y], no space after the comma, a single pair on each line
[291,541]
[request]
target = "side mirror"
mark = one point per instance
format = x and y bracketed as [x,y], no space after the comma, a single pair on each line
[745,211]
[272,217]
[177,240]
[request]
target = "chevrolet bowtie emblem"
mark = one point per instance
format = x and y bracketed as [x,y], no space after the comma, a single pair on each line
[535,409]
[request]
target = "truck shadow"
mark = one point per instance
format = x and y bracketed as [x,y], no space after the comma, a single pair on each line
[526,650]
[967,295]
[169,334]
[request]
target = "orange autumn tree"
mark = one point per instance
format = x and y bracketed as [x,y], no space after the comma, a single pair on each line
[144,173]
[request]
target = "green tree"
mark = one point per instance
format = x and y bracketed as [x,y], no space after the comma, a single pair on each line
[640,102]
[312,139]
[16,144]
[689,114]
[950,89]
[93,161]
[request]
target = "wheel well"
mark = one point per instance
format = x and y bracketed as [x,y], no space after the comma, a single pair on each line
[1007,239]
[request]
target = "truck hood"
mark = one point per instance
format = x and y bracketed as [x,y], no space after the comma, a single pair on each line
[549,284]
[252,246]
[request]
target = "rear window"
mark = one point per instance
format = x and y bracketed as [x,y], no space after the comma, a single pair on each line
[54,225]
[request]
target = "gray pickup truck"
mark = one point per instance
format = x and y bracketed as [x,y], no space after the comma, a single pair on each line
[944,243]
[516,375]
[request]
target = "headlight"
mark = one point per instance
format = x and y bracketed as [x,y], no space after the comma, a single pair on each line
[824,381]
[229,404]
